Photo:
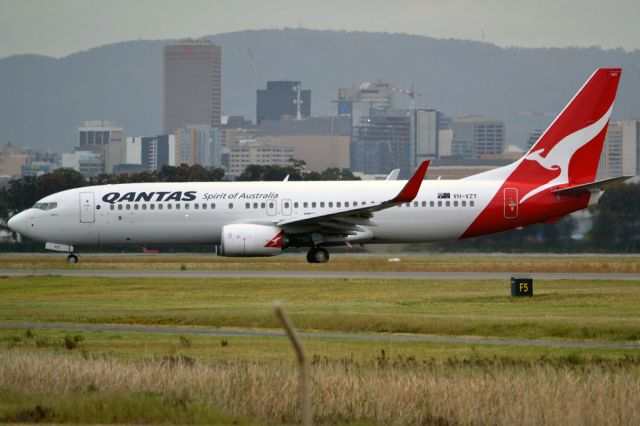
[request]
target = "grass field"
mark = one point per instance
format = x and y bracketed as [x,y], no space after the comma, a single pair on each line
[120,377]
[595,310]
[339,262]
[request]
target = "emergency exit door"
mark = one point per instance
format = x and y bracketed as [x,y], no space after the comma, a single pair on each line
[510,203]
[87,207]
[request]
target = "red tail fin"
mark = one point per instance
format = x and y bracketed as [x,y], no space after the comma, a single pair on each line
[569,150]
[566,154]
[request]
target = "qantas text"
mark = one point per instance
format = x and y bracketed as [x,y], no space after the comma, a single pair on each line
[116,197]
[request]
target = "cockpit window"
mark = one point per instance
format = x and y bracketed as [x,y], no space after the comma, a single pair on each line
[45,206]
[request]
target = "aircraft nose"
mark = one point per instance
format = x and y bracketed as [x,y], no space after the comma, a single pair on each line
[18,223]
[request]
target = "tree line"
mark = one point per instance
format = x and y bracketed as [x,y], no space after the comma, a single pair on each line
[20,194]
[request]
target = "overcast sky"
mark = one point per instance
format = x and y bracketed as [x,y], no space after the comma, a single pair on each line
[60,27]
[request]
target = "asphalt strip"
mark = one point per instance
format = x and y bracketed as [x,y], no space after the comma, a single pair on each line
[123,328]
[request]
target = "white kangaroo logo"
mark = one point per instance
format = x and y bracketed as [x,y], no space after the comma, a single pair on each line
[559,156]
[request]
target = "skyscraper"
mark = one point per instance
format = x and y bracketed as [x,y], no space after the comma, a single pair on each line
[476,136]
[191,85]
[281,98]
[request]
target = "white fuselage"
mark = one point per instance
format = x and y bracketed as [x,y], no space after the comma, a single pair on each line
[442,210]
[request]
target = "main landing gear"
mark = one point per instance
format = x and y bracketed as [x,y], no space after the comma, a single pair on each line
[318,255]
[72,258]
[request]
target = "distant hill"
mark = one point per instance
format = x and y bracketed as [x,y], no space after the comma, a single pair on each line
[43,100]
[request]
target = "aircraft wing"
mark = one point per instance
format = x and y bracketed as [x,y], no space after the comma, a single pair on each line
[347,221]
[579,189]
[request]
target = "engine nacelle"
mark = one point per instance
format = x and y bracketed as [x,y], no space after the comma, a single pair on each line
[241,240]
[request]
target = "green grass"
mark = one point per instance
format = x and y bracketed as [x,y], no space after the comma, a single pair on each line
[90,405]
[266,350]
[585,310]
[67,376]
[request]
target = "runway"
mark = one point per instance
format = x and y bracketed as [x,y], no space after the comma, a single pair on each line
[467,276]
[383,337]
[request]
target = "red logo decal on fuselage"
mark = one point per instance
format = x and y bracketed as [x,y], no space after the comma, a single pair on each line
[275,242]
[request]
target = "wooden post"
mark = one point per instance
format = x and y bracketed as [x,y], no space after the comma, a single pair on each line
[304,394]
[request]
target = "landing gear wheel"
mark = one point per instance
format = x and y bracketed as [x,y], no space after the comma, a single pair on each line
[318,255]
[72,258]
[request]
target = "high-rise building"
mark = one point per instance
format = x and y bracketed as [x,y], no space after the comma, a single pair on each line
[369,99]
[282,98]
[258,152]
[151,152]
[104,139]
[533,138]
[192,74]
[426,125]
[476,136]
[381,144]
[12,159]
[199,145]
[621,153]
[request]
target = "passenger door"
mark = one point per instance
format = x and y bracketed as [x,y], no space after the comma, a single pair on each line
[510,203]
[87,207]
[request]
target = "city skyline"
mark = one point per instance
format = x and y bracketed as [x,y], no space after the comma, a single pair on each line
[67,26]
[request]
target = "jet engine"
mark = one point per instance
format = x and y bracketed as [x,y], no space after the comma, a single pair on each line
[241,240]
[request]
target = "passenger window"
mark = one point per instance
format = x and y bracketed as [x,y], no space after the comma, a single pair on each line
[346,204]
[448,203]
[321,203]
[305,205]
[455,204]
[471,203]
[177,206]
[313,204]
[270,205]
[128,206]
[196,206]
[355,204]
[408,204]
[144,207]
[431,203]
[262,205]
[186,206]
[255,205]
[286,205]
[464,203]
[135,207]
[230,205]
[330,203]
[213,206]
[169,206]
[415,204]
[247,206]
[295,205]
[152,206]
[204,206]
[112,207]
[159,206]
[439,203]
[424,204]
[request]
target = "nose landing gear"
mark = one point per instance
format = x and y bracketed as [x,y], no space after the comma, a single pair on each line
[72,258]
[317,255]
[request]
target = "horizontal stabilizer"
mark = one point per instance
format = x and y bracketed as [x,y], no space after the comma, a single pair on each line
[585,187]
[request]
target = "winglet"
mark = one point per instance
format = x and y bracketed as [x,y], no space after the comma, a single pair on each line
[411,188]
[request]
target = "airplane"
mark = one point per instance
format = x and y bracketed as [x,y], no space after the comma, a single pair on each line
[555,177]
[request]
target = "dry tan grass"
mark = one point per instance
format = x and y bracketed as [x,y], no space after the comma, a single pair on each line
[382,391]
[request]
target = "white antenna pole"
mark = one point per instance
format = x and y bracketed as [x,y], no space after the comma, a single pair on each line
[298,102]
